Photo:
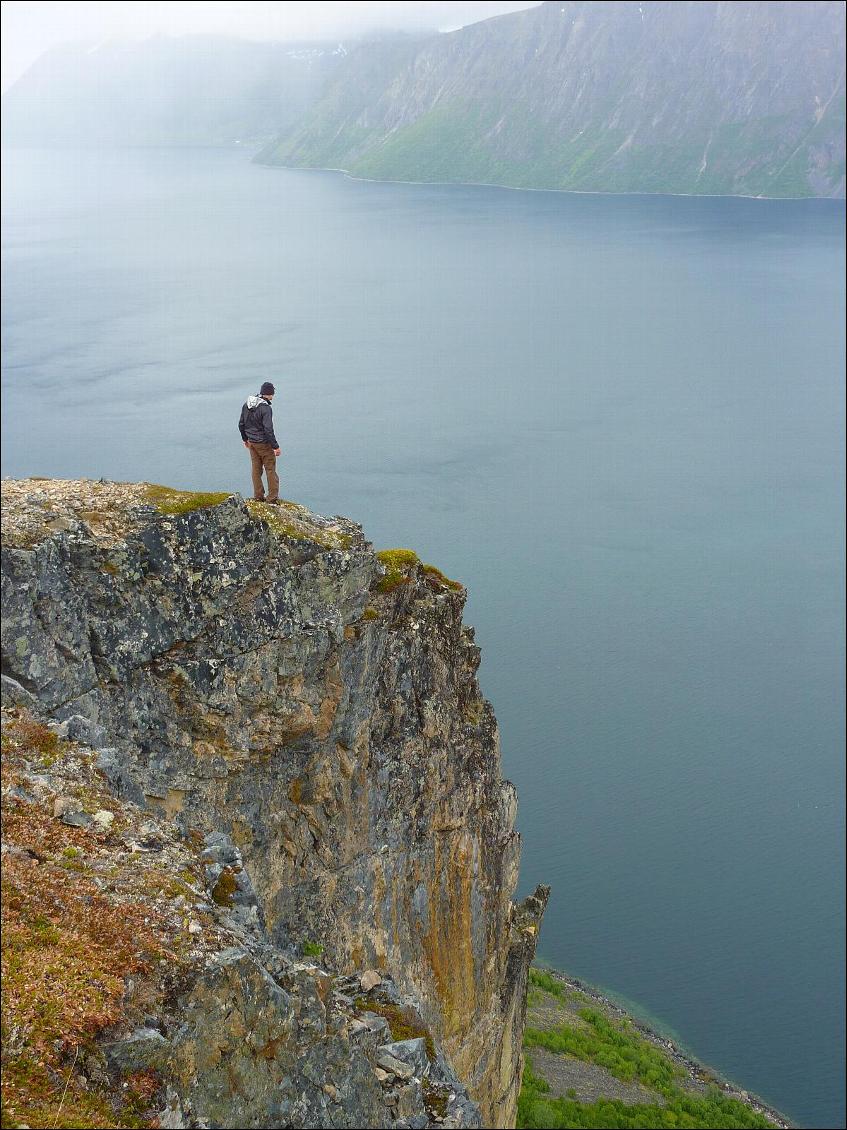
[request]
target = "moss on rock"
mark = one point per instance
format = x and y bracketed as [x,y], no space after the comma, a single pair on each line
[403,1022]
[170,501]
[290,520]
[399,564]
[225,888]
[438,580]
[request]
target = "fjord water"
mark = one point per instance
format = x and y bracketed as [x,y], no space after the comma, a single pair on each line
[618,420]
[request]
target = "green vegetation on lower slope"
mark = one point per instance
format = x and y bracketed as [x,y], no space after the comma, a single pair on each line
[536,1108]
[613,1046]
[588,1059]
[511,144]
[493,144]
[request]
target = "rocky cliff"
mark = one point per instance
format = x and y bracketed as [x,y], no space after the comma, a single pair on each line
[686,96]
[305,712]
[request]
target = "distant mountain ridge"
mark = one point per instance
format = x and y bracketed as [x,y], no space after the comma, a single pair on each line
[185,90]
[726,97]
[688,96]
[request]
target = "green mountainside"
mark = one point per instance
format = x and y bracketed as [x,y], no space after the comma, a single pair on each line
[688,96]
[691,96]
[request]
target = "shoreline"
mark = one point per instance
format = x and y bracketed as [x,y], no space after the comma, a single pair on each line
[526,188]
[697,1071]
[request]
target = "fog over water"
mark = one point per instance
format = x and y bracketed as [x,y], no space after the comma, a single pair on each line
[618,420]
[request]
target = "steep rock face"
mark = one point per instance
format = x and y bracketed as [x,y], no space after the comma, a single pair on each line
[265,680]
[689,96]
[140,989]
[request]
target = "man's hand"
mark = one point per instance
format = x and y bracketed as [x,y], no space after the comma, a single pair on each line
[277,451]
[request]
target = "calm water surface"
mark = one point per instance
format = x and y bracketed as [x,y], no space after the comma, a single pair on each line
[619,420]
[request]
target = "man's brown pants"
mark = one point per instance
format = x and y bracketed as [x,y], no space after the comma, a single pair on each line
[262,458]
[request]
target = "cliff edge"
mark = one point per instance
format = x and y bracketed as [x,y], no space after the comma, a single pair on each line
[305,713]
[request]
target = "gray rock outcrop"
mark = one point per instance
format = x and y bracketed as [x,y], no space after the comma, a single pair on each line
[256,678]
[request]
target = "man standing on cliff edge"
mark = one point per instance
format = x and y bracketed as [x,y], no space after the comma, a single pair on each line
[257,431]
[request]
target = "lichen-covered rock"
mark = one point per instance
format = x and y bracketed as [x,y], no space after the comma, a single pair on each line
[253,678]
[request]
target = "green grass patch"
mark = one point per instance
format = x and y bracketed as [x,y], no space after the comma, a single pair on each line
[537,1109]
[618,1048]
[313,949]
[538,979]
[626,1055]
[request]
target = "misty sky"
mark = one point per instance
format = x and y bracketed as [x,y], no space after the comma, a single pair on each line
[30,27]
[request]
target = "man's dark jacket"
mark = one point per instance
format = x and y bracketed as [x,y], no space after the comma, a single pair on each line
[257,421]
